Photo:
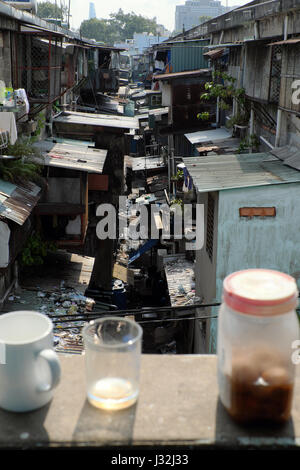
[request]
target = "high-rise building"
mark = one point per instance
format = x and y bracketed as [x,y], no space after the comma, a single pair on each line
[187,16]
[92,11]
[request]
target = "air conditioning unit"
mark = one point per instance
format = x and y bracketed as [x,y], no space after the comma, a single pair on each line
[28,5]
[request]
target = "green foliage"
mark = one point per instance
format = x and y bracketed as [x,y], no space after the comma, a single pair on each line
[18,171]
[250,142]
[119,27]
[222,87]
[178,176]
[204,18]
[203,116]
[24,168]
[36,250]
[97,29]
[239,119]
[55,107]
[50,10]
[176,203]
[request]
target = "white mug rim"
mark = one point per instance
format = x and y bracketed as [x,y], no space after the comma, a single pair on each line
[22,313]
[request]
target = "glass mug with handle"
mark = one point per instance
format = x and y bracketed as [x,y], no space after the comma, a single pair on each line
[29,366]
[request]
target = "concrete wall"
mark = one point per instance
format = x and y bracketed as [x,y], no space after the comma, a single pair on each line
[256,75]
[5,57]
[270,242]
[4,244]
[205,277]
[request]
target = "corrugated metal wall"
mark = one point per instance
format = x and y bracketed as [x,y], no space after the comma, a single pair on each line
[188,56]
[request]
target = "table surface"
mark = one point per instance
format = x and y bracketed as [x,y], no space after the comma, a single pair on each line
[178,405]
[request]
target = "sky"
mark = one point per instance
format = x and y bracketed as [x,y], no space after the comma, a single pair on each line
[164,10]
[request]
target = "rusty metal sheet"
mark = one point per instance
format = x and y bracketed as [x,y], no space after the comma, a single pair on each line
[215,53]
[186,74]
[75,157]
[20,203]
[285,41]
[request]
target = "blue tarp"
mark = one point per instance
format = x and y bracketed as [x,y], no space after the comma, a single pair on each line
[147,246]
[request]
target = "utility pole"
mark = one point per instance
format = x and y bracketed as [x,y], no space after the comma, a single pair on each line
[69,14]
[100,285]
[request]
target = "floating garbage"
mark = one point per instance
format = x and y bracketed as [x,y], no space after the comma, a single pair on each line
[41,294]
[61,305]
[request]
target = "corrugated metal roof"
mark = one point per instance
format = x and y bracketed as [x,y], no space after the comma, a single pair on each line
[152,112]
[219,172]
[289,154]
[186,74]
[81,158]
[212,135]
[188,56]
[149,163]
[97,120]
[19,201]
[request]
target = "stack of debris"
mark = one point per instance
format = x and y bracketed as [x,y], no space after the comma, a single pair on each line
[181,281]
[66,307]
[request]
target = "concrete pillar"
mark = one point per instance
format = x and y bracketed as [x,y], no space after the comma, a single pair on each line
[278,127]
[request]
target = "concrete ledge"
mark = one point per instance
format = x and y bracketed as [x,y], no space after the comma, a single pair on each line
[178,406]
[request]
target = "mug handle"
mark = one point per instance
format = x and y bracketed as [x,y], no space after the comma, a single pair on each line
[51,357]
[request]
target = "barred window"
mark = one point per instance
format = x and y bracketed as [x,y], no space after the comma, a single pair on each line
[210,226]
[275,77]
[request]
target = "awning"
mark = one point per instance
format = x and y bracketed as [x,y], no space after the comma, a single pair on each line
[228,44]
[215,53]
[16,202]
[285,41]
[33,29]
[186,74]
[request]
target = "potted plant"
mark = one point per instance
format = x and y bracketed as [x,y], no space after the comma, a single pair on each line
[249,144]
[178,179]
[222,88]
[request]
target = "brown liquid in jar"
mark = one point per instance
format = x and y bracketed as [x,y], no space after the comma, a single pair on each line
[261,388]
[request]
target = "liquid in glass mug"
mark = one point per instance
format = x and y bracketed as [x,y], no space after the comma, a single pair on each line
[112,362]
[29,366]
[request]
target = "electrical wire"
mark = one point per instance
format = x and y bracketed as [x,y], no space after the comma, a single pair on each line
[56,319]
[141,322]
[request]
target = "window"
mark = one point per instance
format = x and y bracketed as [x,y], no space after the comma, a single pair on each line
[274,87]
[210,226]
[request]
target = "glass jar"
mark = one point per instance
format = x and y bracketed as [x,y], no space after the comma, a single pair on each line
[256,329]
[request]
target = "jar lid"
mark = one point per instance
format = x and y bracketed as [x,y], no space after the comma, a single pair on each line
[260,292]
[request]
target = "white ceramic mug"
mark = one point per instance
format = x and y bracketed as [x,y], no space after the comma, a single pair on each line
[29,367]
